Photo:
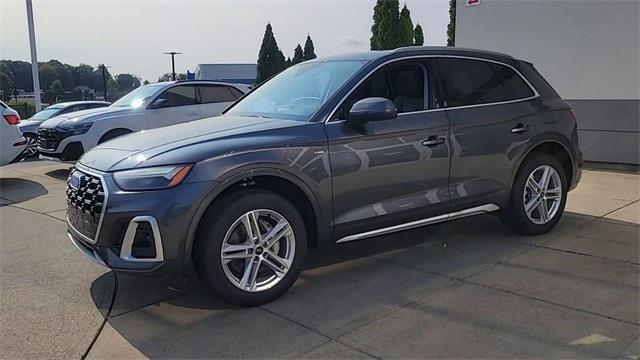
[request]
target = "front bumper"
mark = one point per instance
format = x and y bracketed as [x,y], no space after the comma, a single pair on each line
[141,232]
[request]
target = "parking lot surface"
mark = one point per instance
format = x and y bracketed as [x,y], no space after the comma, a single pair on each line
[468,288]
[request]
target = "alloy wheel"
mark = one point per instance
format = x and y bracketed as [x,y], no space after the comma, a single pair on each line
[32,146]
[258,250]
[542,194]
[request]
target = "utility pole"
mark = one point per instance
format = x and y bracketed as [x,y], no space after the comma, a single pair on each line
[173,63]
[34,58]
[104,81]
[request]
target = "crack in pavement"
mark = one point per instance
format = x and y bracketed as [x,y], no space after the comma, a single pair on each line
[106,317]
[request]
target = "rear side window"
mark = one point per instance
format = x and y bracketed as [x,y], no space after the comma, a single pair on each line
[470,82]
[215,94]
[514,85]
[180,95]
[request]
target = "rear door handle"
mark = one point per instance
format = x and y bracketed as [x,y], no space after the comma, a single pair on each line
[520,129]
[433,141]
[192,113]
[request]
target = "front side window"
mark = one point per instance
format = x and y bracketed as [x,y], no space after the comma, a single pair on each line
[403,83]
[215,94]
[298,92]
[180,95]
[470,82]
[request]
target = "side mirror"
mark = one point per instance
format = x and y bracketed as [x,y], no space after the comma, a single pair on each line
[371,109]
[160,103]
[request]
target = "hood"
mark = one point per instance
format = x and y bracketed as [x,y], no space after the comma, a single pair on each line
[29,125]
[139,149]
[86,115]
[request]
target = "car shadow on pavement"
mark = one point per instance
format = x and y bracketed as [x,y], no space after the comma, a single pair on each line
[345,287]
[20,190]
[60,174]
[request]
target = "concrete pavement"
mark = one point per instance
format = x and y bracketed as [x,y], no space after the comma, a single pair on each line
[469,288]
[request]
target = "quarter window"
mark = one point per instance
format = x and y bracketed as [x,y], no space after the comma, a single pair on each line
[180,95]
[216,94]
[514,85]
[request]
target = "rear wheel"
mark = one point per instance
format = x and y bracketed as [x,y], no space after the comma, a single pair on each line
[538,196]
[251,247]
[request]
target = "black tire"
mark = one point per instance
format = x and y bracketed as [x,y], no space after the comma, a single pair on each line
[210,235]
[112,134]
[515,215]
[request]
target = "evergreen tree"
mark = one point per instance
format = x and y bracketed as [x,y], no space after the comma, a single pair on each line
[451,28]
[298,55]
[288,62]
[309,52]
[270,59]
[418,36]
[385,29]
[405,28]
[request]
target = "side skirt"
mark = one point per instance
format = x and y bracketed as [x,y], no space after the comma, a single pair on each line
[422,222]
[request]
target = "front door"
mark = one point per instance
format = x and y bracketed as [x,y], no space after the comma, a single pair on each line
[393,171]
[177,104]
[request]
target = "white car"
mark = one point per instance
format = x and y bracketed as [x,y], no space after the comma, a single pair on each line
[12,142]
[67,137]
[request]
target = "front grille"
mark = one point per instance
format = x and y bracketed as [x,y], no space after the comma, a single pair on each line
[85,201]
[50,138]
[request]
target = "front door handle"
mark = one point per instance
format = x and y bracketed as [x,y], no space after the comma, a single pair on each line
[433,141]
[520,129]
[192,113]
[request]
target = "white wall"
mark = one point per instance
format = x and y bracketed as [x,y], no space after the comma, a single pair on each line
[586,49]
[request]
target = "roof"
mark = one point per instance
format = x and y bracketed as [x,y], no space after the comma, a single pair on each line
[422,50]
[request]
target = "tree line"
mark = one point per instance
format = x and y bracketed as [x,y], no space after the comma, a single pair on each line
[392,28]
[63,82]
[271,60]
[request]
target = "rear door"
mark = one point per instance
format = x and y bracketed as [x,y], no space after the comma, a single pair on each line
[215,98]
[181,106]
[492,111]
[394,171]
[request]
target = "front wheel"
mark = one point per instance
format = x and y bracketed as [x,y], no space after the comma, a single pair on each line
[250,247]
[538,196]
[32,145]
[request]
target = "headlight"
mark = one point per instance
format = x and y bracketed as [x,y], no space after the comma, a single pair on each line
[76,129]
[153,178]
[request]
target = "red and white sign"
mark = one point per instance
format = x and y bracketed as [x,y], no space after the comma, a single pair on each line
[472,2]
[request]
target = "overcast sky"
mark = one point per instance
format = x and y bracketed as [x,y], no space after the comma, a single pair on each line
[130,36]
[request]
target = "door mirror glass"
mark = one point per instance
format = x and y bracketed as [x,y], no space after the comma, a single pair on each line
[371,109]
[160,103]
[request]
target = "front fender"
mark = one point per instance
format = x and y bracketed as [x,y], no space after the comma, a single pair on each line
[311,175]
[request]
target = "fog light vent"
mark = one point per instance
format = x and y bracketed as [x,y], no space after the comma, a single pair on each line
[142,242]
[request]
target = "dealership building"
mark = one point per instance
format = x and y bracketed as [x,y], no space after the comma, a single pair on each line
[588,50]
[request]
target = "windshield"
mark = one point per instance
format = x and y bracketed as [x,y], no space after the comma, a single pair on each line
[298,92]
[45,114]
[139,96]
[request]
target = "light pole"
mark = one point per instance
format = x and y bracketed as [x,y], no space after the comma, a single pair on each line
[34,58]
[173,63]
[104,81]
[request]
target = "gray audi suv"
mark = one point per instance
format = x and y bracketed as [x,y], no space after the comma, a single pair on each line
[328,151]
